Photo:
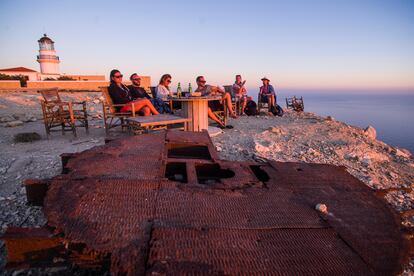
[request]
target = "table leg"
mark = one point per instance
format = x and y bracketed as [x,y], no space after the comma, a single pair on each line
[197,111]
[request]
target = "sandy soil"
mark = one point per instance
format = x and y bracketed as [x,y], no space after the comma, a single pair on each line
[302,137]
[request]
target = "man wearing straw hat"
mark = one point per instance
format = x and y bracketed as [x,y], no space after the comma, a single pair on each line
[267,93]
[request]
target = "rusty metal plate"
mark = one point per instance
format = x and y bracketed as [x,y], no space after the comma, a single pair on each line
[228,251]
[142,212]
[247,209]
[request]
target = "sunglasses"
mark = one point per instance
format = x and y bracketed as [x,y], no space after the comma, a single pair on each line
[169,81]
[202,81]
[118,77]
[136,79]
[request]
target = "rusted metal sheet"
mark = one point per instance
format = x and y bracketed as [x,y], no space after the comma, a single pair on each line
[164,203]
[210,251]
[27,247]
[36,190]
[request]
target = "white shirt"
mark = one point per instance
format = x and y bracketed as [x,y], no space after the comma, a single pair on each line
[162,92]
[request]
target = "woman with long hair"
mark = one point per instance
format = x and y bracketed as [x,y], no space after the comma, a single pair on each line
[163,89]
[121,94]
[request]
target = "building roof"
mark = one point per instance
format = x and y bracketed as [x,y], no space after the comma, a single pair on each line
[45,38]
[17,69]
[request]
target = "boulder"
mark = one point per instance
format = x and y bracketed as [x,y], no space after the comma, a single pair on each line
[404,153]
[27,137]
[19,116]
[330,118]
[29,118]
[370,132]
[366,162]
[275,130]
[351,156]
[14,123]
[321,208]
[6,118]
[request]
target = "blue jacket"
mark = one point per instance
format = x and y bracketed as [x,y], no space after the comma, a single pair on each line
[271,90]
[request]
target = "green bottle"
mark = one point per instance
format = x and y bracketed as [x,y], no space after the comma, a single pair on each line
[190,90]
[179,91]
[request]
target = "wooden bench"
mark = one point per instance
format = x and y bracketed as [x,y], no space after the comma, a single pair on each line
[138,125]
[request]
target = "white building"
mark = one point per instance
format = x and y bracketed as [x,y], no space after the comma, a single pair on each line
[49,61]
[30,75]
[49,65]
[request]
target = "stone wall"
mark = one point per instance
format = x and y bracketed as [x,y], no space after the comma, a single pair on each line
[87,77]
[9,84]
[81,85]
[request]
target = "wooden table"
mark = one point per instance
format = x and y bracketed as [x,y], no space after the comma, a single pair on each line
[196,109]
[142,123]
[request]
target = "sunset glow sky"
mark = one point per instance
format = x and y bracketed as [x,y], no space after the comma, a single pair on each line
[297,44]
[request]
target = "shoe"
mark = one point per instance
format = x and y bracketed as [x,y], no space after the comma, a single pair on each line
[229,127]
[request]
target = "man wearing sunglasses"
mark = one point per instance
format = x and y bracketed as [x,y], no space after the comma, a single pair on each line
[209,90]
[137,92]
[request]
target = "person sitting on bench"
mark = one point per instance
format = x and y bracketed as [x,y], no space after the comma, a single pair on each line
[137,92]
[267,93]
[121,94]
[207,90]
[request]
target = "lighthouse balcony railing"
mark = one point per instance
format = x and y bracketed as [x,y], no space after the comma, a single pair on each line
[47,57]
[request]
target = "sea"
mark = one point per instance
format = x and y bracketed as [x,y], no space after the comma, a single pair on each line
[390,113]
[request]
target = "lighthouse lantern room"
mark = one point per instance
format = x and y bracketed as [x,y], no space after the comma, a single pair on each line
[49,61]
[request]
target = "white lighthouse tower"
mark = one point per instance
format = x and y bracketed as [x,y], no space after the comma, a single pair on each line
[49,61]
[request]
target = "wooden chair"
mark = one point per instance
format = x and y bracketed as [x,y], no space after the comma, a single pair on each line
[57,113]
[113,117]
[296,104]
[260,104]
[234,101]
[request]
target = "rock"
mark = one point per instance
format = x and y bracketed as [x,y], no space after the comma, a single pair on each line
[19,116]
[351,156]
[321,208]
[14,123]
[370,132]
[26,137]
[393,175]
[214,131]
[366,162]
[330,118]
[29,118]
[404,153]
[275,130]
[6,119]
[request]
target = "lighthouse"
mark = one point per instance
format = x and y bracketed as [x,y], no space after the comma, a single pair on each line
[49,61]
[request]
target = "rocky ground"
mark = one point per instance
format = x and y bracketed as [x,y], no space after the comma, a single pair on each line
[304,137]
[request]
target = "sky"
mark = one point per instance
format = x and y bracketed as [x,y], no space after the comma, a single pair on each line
[298,44]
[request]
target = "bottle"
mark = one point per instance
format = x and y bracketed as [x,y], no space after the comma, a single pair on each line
[179,92]
[190,90]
